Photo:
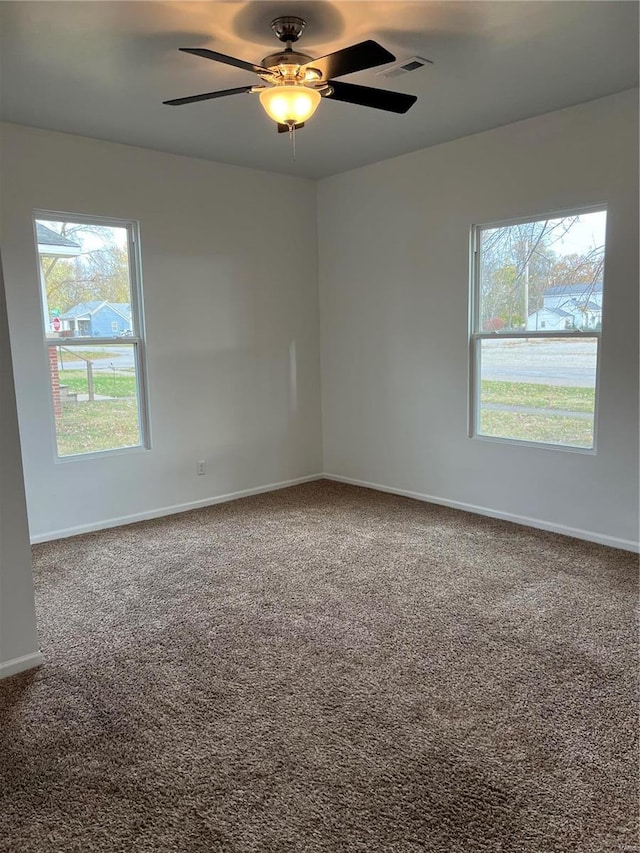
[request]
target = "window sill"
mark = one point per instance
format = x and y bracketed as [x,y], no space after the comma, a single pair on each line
[540,445]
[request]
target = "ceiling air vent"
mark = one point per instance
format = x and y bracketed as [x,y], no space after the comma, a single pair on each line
[404,67]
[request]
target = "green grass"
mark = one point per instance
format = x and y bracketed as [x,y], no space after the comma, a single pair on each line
[568,398]
[551,429]
[544,427]
[101,425]
[105,383]
[106,424]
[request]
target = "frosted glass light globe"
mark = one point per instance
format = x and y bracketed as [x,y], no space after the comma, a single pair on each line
[290,104]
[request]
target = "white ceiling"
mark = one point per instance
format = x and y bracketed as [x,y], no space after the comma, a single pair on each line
[102,69]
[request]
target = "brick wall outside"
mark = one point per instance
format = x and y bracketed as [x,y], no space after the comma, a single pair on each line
[55,381]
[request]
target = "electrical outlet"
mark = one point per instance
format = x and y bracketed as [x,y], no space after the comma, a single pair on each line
[201,467]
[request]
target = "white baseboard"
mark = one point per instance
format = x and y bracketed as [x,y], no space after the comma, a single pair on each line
[12,667]
[170,510]
[540,524]
[575,532]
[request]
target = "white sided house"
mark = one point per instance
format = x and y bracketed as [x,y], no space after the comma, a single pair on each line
[568,306]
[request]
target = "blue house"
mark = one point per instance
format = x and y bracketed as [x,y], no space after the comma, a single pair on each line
[98,319]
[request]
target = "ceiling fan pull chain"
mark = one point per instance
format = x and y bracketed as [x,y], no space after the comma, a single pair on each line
[292,137]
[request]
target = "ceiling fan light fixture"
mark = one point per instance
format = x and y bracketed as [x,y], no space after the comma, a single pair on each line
[290,104]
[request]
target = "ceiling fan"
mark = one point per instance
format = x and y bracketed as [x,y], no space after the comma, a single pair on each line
[297,82]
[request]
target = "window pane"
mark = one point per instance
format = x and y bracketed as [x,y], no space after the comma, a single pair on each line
[538,389]
[95,398]
[84,277]
[544,275]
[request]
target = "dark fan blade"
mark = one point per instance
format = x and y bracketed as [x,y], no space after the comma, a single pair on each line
[379,99]
[228,60]
[284,128]
[358,57]
[191,99]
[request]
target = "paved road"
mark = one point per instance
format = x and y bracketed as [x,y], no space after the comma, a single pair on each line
[554,362]
[120,357]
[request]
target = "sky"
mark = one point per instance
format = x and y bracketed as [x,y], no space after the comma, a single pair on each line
[587,233]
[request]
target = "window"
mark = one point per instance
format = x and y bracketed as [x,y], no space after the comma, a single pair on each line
[93,331]
[536,315]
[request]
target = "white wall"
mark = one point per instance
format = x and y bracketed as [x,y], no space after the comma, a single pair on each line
[394,280]
[18,638]
[230,290]
[232,300]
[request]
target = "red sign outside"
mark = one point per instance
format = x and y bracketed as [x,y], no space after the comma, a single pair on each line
[56,324]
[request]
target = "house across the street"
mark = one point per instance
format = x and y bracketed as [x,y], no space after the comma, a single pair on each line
[568,306]
[97,319]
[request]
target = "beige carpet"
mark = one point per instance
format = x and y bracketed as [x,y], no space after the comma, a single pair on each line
[325,669]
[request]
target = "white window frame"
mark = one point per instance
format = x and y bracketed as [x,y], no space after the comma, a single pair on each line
[136,339]
[476,335]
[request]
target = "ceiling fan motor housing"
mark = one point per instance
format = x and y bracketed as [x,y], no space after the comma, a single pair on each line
[285,57]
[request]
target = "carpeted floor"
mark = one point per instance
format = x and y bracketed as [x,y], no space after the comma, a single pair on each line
[321,669]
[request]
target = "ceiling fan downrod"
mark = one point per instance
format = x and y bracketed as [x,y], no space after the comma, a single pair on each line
[288,29]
